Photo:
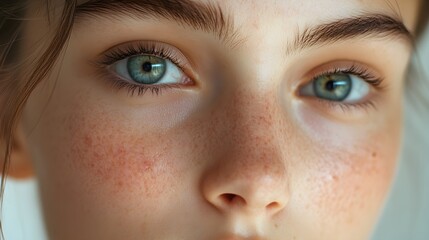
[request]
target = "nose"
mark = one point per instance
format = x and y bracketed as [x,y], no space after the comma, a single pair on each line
[249,173]
[255,195]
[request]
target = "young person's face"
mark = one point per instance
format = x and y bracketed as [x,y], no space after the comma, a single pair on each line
[265,126]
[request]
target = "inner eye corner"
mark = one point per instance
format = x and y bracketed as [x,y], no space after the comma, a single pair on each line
[303,86]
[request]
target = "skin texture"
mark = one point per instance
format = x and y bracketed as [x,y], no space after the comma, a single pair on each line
[238,155]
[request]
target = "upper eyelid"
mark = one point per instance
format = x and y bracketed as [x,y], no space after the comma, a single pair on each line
[156,48]
[342,65]
[363,73]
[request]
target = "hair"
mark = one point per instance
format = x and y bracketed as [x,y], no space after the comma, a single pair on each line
[17,80]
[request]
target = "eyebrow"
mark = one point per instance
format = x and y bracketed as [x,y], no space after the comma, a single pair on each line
[206,17]
[369,25]
[210,18]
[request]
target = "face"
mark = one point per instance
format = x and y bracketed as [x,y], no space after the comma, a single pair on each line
[281,121]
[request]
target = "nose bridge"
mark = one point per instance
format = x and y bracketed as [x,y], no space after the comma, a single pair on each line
[254,123]
[251,171]
[256,142]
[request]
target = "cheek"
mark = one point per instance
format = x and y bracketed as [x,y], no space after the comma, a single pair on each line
[106,172]
[352,181]
[121,155]
[346,171]
[348,184]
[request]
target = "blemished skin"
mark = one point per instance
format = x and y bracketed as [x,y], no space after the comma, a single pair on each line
[237,151]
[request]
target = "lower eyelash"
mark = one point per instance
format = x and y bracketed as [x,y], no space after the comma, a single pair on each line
[139,90]
[346,107]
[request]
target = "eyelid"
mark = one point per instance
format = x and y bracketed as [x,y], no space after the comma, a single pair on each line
[342,65]
[119,68]
[107,59]
[307,90]
[149,47]
[371,74]
[373,78]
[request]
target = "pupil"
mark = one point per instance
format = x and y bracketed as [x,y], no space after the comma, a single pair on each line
[330,86]
[147,66]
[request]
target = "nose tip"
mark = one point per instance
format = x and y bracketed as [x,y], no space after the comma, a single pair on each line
[264,199]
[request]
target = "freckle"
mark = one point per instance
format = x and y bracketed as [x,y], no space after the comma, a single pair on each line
[374,154]
[146,165]
[87,140]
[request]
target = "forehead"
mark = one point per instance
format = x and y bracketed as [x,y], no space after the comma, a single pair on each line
[299,10]
[250,17]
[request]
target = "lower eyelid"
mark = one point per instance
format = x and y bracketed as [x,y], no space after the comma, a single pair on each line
[341,110]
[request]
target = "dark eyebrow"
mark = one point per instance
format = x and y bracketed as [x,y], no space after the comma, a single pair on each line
[206,17]
[370,25]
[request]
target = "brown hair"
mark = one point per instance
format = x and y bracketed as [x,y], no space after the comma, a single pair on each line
[14,94]
[423,18]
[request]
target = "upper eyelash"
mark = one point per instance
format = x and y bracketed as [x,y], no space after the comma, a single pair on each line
[141,48]
[356,70]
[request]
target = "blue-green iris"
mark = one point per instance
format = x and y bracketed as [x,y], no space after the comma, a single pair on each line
[146,69]
[334,87]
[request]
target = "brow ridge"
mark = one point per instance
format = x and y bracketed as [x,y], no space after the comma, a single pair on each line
[367,25]
[207,17]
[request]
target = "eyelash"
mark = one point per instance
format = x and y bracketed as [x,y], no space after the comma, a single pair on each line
[359,71]
[159,50]
[142,48]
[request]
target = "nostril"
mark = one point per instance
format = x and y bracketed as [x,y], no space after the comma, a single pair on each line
[273,206]
[231,199]
[228,197]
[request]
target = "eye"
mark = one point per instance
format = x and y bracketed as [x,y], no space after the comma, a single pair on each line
[148,70]
[338,87]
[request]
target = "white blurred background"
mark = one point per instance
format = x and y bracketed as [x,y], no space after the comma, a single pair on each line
[406,215]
